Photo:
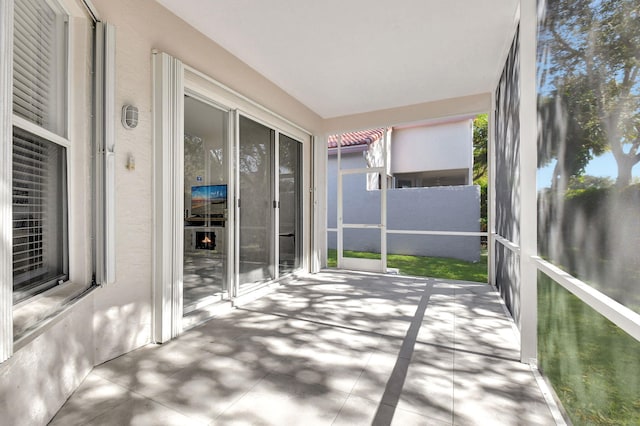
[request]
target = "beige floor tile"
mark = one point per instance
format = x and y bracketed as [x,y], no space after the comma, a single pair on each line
[495,391]
[361,411]
[93,397]
[335,346]
[204,390]
[139,411]
[286,400]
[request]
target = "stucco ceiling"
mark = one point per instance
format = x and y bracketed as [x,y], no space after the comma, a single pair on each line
[341,57]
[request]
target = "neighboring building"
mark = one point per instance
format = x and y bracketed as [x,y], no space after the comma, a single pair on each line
[437,154]
[429,176]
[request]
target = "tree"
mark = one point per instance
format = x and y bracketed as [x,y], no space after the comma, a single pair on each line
[480,143]
[593,66]
[480,140]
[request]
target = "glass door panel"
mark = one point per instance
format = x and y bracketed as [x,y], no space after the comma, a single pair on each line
[361,228]
[290,212]
[361,239]
[256,219]
[206,175]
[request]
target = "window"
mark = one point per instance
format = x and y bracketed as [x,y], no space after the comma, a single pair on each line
[39,181]
[39,214]
[432,178]
[39,64]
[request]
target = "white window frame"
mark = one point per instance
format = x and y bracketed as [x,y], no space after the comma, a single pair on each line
[62,138]
[6,171]
[77,285]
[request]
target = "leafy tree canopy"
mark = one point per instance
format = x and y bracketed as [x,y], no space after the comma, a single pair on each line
[589,65]
[480,141]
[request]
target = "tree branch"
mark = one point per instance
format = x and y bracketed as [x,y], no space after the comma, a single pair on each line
[557,37]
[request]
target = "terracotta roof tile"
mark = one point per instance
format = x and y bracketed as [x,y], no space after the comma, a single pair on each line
[356,138]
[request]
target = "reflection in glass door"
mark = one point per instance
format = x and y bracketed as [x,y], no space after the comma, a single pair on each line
[206,231]
[256,203]
[290,203]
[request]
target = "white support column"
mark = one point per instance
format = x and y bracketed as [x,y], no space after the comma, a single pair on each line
[6,162]
[383,202]
[319,203]
[339,205]
[528,192]
[168,190]
[491,192]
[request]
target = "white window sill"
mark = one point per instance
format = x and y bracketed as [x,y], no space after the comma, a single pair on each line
[35,315]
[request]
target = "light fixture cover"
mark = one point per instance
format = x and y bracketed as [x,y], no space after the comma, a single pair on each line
[129,117]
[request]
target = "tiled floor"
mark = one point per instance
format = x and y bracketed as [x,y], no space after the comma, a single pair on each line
[335,348]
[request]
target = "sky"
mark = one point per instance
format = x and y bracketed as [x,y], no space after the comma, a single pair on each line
[603,165]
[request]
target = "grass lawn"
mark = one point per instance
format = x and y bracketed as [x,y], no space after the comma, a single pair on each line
[593,365]
[438,267]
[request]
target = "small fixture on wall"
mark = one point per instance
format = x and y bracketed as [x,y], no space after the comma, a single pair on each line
[131,162]
[129,117]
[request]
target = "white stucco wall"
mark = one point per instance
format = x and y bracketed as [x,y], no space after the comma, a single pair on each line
[116,319]
[444,146]
[123,310]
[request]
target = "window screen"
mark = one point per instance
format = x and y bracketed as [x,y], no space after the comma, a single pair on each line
[39,64]
[39,214]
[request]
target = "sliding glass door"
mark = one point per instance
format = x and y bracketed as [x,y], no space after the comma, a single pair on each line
[270,203]
[265,232]
[206,177]
[289,203]
[229,203]
[256,203]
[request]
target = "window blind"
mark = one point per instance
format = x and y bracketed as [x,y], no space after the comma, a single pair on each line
[38,216]
[37,64]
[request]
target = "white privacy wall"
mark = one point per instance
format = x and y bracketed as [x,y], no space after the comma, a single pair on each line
[444,146]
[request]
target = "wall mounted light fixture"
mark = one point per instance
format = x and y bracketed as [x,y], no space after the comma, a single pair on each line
[129,117]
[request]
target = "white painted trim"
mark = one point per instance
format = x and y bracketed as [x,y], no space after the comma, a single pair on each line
[339,242]
[6,165]
[371,265]
[275,191]
[508,244]
[40,131]
[91,8]
[363,171]
[620,315]
[318,190]
[109,230]
[528,172]
[97,154]
[168,188]
[506,48]
[383,200]
[231,206]
[549,396]
[449,233]
[358,264]
[234,174]
[362,226]
[415,232]
[222,86]
[310,261]
[491,192]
